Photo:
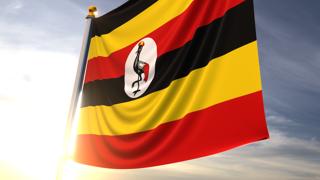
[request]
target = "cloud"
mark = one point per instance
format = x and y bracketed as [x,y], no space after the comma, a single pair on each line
[279,120]
[288,39]
[41,25]
[13,7]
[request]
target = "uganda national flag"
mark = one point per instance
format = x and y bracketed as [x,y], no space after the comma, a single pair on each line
[169,81]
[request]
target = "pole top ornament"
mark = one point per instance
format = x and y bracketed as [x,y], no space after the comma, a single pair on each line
[91,11]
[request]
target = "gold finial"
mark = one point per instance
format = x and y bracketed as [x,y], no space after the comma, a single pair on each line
[92,10]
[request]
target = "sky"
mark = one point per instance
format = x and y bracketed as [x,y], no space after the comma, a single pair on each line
[40,43]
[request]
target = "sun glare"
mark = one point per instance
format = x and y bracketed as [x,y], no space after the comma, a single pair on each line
[34,99]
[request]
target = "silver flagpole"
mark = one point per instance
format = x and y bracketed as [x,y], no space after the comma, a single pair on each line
[77,88]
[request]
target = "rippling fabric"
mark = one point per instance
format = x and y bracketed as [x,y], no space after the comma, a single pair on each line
[202,96]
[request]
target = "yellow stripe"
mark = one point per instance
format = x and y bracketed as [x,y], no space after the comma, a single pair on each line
[227,77]
[143,24]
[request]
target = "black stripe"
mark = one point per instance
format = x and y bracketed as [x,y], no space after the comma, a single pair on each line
[119,16]
[223,35]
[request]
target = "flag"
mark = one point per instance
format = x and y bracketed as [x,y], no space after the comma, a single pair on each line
[168,81]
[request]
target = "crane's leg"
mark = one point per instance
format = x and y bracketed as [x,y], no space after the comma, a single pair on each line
[137,81]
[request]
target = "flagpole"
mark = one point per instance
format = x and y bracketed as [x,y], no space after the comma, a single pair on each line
[77,88]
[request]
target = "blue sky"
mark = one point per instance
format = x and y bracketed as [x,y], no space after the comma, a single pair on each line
[39,47]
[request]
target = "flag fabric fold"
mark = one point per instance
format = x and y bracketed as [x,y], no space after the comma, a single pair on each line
[170,81]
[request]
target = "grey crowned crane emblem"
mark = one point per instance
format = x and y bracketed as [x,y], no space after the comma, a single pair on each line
[139,67]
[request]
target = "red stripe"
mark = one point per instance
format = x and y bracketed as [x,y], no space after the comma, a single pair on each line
[170,36]
[212,130]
